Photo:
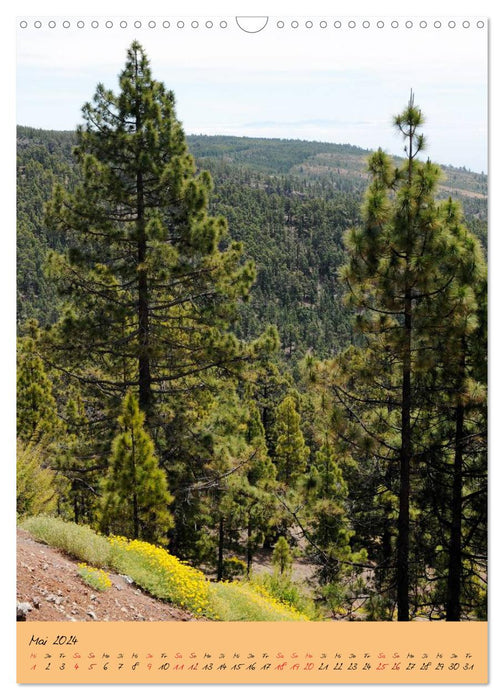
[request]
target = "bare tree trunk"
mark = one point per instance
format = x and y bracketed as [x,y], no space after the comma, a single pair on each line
[403,523]
[220,556]
[453,609]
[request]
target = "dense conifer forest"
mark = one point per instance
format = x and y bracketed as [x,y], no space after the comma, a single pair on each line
[257,349]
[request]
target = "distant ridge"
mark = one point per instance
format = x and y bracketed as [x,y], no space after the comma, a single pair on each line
[288,201]
[207,146]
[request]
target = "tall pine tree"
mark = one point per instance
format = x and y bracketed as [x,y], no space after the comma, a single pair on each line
[36,405]
[291,453]
[151,288]
[407,263]
[151,282]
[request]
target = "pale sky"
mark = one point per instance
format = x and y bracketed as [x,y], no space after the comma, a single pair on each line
[336,84]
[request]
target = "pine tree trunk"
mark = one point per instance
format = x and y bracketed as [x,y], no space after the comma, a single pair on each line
[220,556]
[136,523]
[76,508]
[144,372]
[249,547]
[403,523]
[386,550]
[455,560]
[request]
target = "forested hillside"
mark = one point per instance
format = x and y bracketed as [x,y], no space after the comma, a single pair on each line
[289,202]
[243,349]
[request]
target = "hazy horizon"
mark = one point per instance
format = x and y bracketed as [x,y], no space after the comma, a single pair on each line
[282,138]
[327,85]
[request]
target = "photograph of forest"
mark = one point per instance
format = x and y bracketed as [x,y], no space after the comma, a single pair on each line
[251,372]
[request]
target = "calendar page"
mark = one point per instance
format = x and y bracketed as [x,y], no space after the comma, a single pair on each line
[252,349]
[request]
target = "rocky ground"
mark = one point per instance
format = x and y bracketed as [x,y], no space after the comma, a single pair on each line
[50,589]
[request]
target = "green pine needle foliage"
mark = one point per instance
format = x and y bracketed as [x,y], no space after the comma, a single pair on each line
[135,501]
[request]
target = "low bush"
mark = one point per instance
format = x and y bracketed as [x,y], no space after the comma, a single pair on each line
[78,540]
[35,491]
[282,589]
[96,578]
[242,601]
[161,574]
[232,568]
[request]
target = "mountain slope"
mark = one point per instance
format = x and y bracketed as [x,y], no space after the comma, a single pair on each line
[288,201]
[48,582]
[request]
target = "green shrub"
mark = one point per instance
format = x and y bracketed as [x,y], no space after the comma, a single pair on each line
[335,596]
[233,568]
[286,591]
[378,607]
[162,574]
[78,540]
[242,601]
[96,578]
[282,556]
[35,491]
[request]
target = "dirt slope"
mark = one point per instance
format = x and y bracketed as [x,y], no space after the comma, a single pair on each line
[48,582]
